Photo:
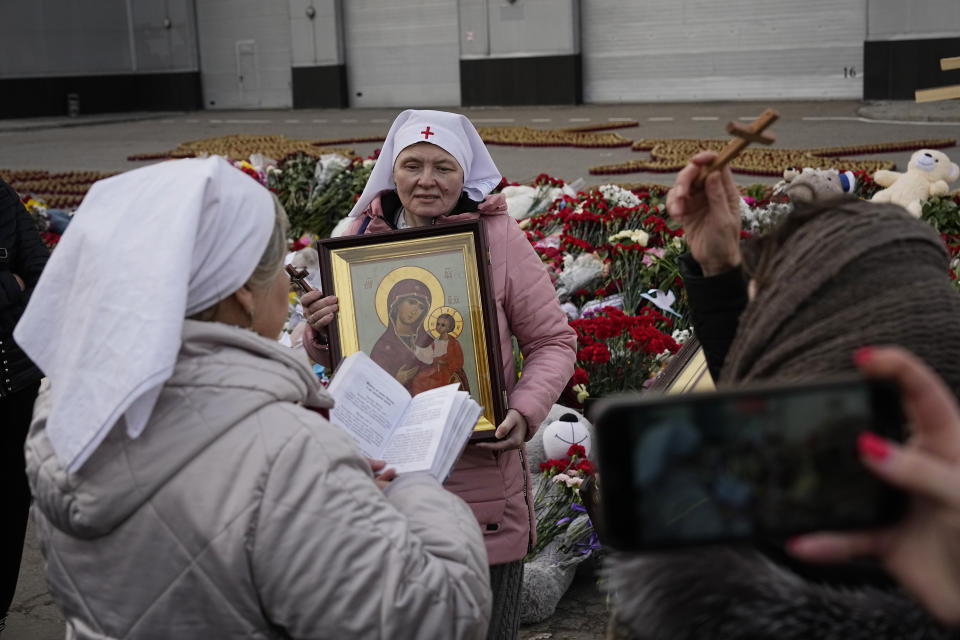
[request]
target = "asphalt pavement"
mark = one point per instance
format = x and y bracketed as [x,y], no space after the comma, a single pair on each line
[103,142]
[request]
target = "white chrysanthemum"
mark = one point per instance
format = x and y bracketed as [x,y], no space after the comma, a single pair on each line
[618,197]
[761,219]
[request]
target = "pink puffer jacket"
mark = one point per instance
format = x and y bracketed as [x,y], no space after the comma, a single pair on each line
[497,485]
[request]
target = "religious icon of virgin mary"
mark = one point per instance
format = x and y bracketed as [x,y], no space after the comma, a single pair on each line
[396,350]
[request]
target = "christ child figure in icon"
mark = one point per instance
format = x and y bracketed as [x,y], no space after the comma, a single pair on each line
[444,357]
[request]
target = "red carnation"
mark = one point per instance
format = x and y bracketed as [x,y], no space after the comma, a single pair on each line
[580,376]
[576,450]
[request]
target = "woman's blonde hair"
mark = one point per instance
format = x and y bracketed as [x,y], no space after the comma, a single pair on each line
[272,259]
[269,264]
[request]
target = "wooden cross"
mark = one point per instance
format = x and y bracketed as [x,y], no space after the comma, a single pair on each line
[298,278]
[743,136]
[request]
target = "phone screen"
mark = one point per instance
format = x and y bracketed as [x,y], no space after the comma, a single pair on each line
[722,466]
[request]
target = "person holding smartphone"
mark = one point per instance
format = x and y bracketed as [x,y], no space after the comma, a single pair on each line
[922,551]
[794,306]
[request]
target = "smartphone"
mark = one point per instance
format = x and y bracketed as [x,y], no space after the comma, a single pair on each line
[758,463]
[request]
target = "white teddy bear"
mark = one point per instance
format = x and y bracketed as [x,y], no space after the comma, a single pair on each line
[927,175]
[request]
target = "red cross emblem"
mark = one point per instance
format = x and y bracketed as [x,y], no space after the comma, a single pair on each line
[427,133]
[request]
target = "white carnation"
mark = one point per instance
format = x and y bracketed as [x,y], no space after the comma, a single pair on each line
[618,197]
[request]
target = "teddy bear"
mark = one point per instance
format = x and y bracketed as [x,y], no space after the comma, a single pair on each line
[816,185]
[927,175]
[548,575]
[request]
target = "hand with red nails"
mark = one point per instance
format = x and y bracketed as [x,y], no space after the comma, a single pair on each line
[923,551]
[710,216]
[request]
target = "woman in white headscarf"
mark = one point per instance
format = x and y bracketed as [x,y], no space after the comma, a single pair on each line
[434,169]
[182,486]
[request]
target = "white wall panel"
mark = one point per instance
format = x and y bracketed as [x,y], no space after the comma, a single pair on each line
[495,28]
[68,37]
[245,53]
[164,35]
[666,50]
[474,28]
[900,20]
[402,53]
[63,38]
[533,27]
[317,40]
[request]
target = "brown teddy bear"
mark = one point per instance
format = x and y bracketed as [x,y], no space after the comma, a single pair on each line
[927,175]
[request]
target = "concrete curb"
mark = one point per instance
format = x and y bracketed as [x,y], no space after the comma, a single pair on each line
[39,124]
[909,111]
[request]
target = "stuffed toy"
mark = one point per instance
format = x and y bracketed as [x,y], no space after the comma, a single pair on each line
[548,575]
[927,175]
[816,185]
[560,434]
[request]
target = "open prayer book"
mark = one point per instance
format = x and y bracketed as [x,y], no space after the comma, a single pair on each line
[425,432]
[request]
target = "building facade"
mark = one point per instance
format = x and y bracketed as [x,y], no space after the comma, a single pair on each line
[123,55]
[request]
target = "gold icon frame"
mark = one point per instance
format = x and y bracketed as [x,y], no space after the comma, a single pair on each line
[461,250]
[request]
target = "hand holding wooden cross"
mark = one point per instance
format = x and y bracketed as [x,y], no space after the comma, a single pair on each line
[743,136]
[298,278]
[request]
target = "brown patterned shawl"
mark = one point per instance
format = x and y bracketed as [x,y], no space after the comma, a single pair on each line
[854,274]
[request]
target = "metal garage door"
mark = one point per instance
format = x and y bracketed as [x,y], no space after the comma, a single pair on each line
[245,53]
[661,50]
[402,53]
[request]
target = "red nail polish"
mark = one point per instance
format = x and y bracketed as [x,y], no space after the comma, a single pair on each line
[863,355]
[873,446]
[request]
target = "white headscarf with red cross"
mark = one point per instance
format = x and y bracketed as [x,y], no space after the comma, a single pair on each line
[453,133]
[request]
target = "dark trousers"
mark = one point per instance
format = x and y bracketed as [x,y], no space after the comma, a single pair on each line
[506,581]
[16,410]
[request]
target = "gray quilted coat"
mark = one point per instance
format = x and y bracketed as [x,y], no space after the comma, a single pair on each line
[238,513]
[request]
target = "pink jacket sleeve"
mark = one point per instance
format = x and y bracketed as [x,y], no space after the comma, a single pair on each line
[547,341]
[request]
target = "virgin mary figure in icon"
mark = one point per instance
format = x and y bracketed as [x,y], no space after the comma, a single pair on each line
[397,349]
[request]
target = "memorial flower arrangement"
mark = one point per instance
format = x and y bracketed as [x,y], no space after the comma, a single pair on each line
[318,192]
[40,214]
[559,507]
[258,171]
[943,214]
[619,352]
[613,256]
[628,260]
[526,201]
